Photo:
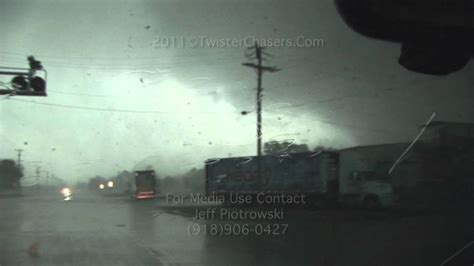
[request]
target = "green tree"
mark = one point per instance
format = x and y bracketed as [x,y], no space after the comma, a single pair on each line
[10,174]
[95,182]
[283,147]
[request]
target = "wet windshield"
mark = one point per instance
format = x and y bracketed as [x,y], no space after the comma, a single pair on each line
[252,115]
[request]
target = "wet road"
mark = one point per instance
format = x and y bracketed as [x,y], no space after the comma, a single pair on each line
[97,230]
[91,230]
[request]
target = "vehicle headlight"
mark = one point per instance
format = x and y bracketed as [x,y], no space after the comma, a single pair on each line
[66,192]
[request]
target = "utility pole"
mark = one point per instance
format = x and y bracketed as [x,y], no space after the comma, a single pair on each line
[256,54]
[18,161]
[47,180]
[19,165]
[37,177]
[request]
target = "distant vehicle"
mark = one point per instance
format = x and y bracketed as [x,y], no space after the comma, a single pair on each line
[324,178]
[109,188]
[67,193]
[144,186]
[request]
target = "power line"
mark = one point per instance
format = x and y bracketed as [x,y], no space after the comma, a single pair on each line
[373,130]
[172,60]
[112,66]
[209,113]
[117,110]
[152,61]
[130,58]
[162,112]
[20,56]
[357,127]
[81,94]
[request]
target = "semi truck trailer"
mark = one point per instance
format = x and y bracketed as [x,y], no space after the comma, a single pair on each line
[323,177]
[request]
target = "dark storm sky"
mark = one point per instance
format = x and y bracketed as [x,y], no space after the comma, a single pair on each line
[176,106]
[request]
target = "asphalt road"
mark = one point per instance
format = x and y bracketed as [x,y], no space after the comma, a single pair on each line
[95,230]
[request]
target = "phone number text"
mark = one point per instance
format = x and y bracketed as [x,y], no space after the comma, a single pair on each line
[229,229]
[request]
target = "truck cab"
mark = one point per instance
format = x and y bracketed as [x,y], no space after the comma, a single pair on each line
[369,190]
[360,185]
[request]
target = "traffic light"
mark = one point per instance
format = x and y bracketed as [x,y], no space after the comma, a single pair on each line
[26,81]
[19,83]
[38,84]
